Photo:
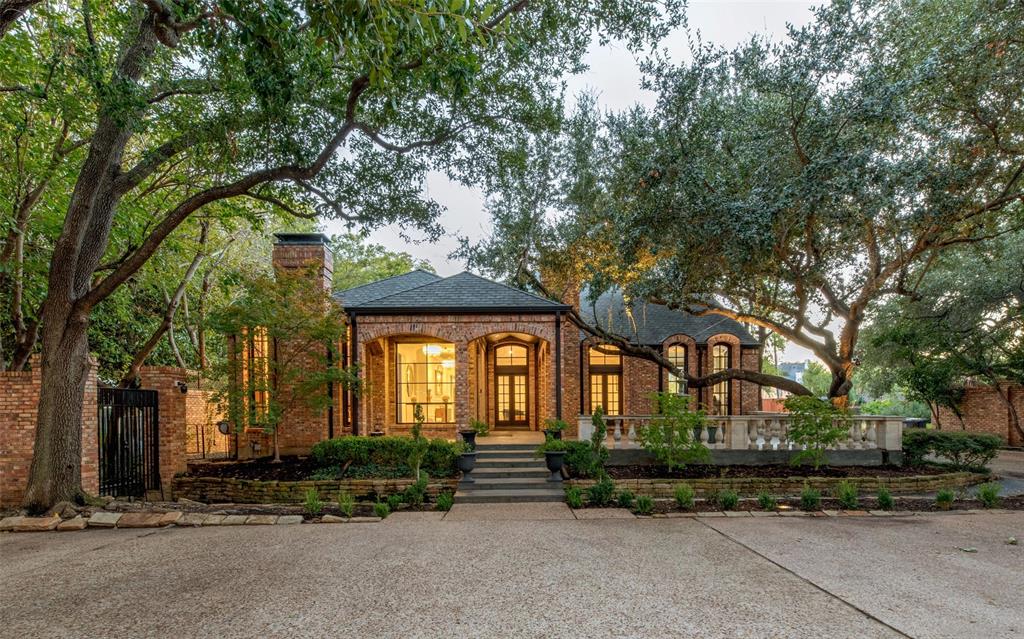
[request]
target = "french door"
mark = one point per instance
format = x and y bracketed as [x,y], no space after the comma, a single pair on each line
[512,400]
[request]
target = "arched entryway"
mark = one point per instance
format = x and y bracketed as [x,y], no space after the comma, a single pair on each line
[513,382]
[511,386]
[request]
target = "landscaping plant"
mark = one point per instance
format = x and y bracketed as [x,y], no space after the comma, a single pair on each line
[554,425]
[728,500]
[816,426]
[394,502]
[416,493]
[766,502]
[420,445]
[479,427]
[601,493]
[445,501]
[587,459]
[669,436]
[574,497]
[625,499]
[810,499]
[885,500]
[988,493]
[644,505]
[846,494]
[684,496]
[347,504]
[381,509]
[313,506]
[972,451]
[944,499]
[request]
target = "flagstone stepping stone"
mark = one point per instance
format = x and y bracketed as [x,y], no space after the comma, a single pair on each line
[214,520]
[289,519]
[37,524]
[76,523]
[166,519]
[103,519]
[261,520]
[140,520]
[332,519]
[191,519]
[233,520]
[8,523]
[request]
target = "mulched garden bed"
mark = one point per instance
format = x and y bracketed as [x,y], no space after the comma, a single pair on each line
[651,471]
[263,469]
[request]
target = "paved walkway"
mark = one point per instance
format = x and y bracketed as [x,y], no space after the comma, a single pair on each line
[536,571]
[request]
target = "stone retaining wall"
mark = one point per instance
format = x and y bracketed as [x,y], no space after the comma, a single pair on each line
[750,487]
[213,490]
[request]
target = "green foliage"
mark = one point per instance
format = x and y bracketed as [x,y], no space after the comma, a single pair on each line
[944,498]
[381,509]
[363,262]
[893,405]
[394,501]
[416,493]
[581,460]
[847,495]
[817,426]
[420,445]
[602,492]
[988,494]
[479,427]
[766,501]
[669,435]
[574,497]
[683,494]
[625,498]
[961,449]
[555,425]
[552,446]
[644,505]
[440,459]
[325,473]
[810,499]
[885,500]
[445,501]
[817,379]
[728,500]
[313,506]
[347,504]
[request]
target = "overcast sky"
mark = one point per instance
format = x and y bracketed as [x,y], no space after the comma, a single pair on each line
[615,77]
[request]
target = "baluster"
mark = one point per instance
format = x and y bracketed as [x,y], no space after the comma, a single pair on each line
[870,434]
[632,432]
[617,433]
[704,434]
[753,426]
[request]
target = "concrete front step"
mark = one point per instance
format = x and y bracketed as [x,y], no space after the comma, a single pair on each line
[509,496]
[536,472]
[486,449]
[508,462]
[507,483]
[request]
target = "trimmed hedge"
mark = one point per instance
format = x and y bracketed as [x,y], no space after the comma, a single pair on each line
[961,449]
[581,460]
[389,452]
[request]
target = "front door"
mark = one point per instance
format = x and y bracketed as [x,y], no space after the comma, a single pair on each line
[511,386]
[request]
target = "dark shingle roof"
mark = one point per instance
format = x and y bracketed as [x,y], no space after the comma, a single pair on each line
[358,295]
[655,323]
[463,292]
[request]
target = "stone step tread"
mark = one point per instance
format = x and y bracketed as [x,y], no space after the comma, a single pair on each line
[505,496]
[493,459]
[516,482]
[487,448]
[533,471]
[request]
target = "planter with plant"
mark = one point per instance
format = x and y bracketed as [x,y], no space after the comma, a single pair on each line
[475,429]
[553,428]
[467,461]
[554,457]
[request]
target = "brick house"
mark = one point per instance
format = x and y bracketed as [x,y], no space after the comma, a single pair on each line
[465,347]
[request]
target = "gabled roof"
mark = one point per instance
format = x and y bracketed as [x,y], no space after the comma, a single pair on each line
[358,295]
[461,293]
[655,323]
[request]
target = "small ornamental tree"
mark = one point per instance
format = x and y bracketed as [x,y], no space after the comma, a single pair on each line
[297,326]
[420,443]
[670,436]
[815,428]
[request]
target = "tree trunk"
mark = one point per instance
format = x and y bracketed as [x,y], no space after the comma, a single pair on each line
[1011,410]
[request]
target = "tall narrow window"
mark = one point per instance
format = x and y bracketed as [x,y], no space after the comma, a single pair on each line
[257,373]
[606,379]
[677,355]
[425,375]
[721,393]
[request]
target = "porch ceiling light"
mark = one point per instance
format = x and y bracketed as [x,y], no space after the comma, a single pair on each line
[432,349]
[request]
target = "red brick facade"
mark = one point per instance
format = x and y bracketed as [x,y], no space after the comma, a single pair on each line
[984,411]
[19,400]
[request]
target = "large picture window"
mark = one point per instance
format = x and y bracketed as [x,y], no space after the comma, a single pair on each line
[605,363]
[721,356]
[677,355]
[425,375]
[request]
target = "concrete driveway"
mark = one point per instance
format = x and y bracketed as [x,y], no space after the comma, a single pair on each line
[540,573]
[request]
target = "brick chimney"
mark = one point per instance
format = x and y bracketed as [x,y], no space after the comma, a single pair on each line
[303,251]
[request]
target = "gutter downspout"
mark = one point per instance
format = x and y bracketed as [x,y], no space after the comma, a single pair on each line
[558,365]
[355,363]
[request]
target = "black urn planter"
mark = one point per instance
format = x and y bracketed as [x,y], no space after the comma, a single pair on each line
[553,434]
[466,463]
[554,460]
[469,436]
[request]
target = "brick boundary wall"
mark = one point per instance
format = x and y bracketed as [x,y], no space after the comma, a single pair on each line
[984,412]
[19,401]
[665,488]
[217,490]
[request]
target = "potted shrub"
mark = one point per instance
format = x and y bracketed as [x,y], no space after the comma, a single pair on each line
[475,429]
[467,461]
[553,428]
[554,457]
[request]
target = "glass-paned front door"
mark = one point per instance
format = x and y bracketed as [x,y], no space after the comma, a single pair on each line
[511,399]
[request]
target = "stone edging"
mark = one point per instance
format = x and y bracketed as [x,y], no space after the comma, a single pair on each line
[104,519]
[751,487]
[214,490]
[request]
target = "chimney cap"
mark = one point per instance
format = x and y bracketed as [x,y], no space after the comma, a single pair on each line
[301,238]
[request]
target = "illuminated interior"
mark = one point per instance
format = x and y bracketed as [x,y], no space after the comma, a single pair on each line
[426,376]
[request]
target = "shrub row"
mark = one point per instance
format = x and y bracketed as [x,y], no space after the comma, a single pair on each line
[961,449]
[441,459]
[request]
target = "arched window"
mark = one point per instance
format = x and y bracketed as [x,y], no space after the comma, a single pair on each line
[677,355]
[606,379]
[511,388]
[721,393]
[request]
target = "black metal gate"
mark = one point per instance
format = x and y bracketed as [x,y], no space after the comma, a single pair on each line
[129,442]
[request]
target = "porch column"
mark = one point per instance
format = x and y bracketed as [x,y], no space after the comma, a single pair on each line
[462,414]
